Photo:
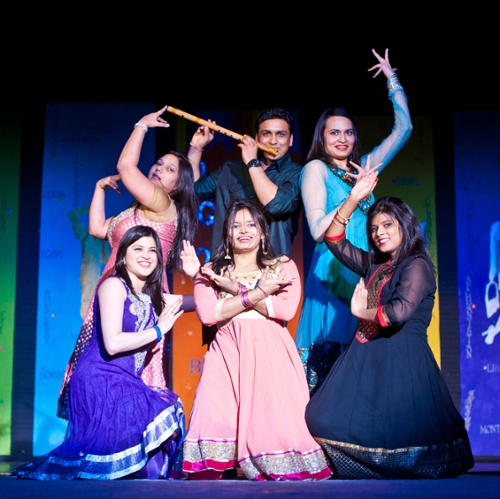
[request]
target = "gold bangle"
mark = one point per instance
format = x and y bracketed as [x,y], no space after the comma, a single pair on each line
[338,225]
[345,220]
[340,218]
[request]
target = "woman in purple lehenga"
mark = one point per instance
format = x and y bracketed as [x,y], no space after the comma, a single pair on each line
[119,426]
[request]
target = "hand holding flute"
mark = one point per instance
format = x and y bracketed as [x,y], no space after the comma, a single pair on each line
[213,126]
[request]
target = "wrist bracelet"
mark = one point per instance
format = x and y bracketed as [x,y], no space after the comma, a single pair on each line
[340,218]
[337,224]
[159,336]
[265,293]
[141,125]
[241,288]
[245,301]
[345,220]
[393,83]
[197,148]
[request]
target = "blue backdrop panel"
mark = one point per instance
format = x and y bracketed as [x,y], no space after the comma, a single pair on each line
[477,167]
[82,145]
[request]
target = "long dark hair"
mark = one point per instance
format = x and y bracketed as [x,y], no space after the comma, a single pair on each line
[153,285]
[412,239]
[265,252]
[317,150]
[184,199]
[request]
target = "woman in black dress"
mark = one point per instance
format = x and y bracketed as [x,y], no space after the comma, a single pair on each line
[384,410]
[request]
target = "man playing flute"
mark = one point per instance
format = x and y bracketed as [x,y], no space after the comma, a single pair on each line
[270,180]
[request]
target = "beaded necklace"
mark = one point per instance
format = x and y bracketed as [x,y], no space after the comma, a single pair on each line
[364,204]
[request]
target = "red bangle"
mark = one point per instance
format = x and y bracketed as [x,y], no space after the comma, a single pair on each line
[334,239]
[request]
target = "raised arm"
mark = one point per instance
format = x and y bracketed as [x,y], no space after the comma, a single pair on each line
[403,127]
[277,199]
[366,182]
[205,186]
[112,296]
[264,188]
[201,138]
[133,179]
[98,223]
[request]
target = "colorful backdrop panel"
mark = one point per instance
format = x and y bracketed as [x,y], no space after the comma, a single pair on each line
[477,183]
[82,144]
[10,140]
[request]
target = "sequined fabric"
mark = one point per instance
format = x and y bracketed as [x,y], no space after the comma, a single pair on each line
[156,370]
[140,306]
[219,455]
[434,461]
[368,330]
[287,465]
[364,204]
[214,454]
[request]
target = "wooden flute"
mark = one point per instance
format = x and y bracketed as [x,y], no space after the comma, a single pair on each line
[216,128]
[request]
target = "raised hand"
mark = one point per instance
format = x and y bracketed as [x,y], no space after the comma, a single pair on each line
[366,180]
[272,284]
[202,137]
[361,172]
[224,283]
[383,64]
[154,120]
[189,259]
[169,315]
[249,148]
[359,300]
[110,182]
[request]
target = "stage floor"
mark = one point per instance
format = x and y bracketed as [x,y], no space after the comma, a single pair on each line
[483,482]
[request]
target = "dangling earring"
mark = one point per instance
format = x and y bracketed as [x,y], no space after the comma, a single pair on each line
[227,257]
[263,242]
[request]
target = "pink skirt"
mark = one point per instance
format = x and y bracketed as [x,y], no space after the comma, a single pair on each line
[249,407]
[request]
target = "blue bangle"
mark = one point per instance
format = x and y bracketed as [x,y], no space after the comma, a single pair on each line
[159,336]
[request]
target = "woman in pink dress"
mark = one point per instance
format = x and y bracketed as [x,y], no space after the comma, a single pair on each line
[249,407]
[166,202]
